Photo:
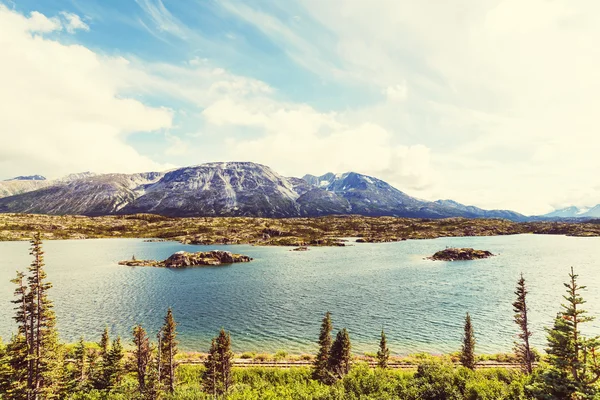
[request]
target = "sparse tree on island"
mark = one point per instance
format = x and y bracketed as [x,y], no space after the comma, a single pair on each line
[217,377]
[522,348]
[339,357]
[320,371]
[168,351]
[141,355]
[575,369]
[383,355]
[467,353]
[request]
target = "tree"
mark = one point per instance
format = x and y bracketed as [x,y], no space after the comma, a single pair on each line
[99,365]
[141,354]
[383,355]
[35,349]
[169,350]
[114,364]
[79,372]
[573,358]
[321,361]
[522,348]
[217,376]
[339,356]
[467,354]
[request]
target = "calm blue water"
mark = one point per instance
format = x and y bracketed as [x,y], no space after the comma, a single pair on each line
[277,301]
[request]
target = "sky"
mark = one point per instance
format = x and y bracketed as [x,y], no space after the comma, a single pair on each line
[487,102]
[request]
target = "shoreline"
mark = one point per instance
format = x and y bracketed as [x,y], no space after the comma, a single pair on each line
[331,231]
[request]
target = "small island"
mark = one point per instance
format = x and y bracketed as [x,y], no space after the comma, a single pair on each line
[183,259]
[456,254]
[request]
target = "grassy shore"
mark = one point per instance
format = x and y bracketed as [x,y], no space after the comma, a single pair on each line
[324,231]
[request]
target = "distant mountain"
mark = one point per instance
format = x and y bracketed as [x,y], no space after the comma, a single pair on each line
[481,213]
[27,178]
[575,212]
[229,189]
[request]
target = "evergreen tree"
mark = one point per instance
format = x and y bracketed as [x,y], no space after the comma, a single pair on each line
[467,354]
[142,355]
[339,356]
[573,358]
[114,365]
[5,370]
[16,382]
[383,355]
[99,366]
[169,350]
[35,349]
[321,361]
[153,389]
[522,348]
[80,367]
[217,377]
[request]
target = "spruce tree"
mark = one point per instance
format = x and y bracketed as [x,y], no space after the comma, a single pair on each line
[169,350]
[100,365]
[467,354]
[217,377]
[522,348]
[321,361]
[339,357]
[80,367]
[383,355]
[141,355]
[575,369]
[114,365]
[35,348]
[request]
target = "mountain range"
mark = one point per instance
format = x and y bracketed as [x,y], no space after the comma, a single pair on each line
[225,189]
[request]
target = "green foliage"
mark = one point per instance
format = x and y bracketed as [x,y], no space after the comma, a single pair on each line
[320,372]
[383,355]
[217,376]
[573,368]
[522,348]
[340,356]
[467,353]
[168,349]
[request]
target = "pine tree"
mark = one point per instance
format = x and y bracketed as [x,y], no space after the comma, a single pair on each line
[35,348]
[209,378]
[573,358]
[383,355]
[80,370]
[339,356]
[114,365]
[217,377]
[153,389]
[5,370]
[100,365]
[522,348]
[169,350]
[467,354]
[17,372]
[142,355]
[321,361]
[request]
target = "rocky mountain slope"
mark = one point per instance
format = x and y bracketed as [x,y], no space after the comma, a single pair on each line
[230,189]
[575,212]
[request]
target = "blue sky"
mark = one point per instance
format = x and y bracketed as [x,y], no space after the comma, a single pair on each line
[488,102]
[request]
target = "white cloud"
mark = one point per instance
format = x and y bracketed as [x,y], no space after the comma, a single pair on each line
[61,107]
[299,140]
[504,93]
[73,22]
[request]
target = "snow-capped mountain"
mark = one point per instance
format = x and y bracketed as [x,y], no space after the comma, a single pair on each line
[230,189]
[575,212]
[28,178]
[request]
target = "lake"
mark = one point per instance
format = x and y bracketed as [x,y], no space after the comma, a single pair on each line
[278,300]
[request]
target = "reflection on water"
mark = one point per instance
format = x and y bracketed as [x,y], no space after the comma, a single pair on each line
[277,301]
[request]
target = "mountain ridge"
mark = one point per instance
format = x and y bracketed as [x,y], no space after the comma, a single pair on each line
[231,189]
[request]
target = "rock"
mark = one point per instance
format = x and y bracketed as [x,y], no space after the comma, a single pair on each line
[300,248]
[456,254]
[183,259]
[378,239]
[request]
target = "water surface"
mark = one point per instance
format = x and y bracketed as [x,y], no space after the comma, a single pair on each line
[277,301]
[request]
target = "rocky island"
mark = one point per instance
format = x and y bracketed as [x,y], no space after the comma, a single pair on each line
[183,259]
[464,254]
